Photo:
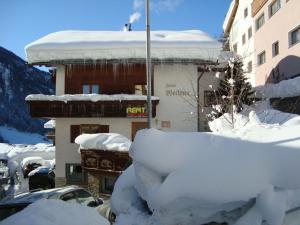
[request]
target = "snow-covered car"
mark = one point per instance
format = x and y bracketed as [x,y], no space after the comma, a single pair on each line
[41,178]
[28,164]
[71,194]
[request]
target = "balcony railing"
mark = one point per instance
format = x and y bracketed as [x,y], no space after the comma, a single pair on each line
[84,108]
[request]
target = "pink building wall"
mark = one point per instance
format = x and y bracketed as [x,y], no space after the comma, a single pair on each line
[277,28]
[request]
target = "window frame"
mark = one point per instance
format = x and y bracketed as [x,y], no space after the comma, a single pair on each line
[271,13]
[246,12]
[69,180]
[209,98]
[291,41]
[250,33]
[275,49]
[102,187]
[250,67]
[257,23]
[259,57]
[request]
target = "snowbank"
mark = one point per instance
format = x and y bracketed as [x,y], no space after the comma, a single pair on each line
[196,178]
[34,159]
[50,212]
[88,97]
[285,88]
[95,45]
[103,141]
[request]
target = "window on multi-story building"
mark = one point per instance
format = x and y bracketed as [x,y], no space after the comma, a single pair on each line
[245,12]
[235,48]
[261,58]
[140,89]
[294,36]
[260,21]
[274,7]
[249,67]
[209,98]
[275,48]
[249,32]
[90,89]
[244,39]
[107,184]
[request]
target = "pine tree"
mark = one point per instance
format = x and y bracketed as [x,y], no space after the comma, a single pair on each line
[234,90]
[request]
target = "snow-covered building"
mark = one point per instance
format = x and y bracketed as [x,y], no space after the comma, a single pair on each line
[101,86]
[238,27]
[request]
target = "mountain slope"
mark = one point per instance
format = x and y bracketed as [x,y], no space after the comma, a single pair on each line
[17,80]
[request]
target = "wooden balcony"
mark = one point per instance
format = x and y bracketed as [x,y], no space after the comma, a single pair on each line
[59,109]
[104,163]
[257,5]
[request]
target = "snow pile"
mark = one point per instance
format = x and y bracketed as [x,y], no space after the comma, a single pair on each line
[99,45]
[30,160]
[50,124]
[88,97]
[103,141]
[242,178]
[285,88]
[50,212]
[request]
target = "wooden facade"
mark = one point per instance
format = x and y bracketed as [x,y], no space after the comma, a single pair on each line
[73,109]
[257,5]
[104,163]
[111,78]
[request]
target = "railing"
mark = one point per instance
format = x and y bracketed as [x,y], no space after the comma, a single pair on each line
[58,109]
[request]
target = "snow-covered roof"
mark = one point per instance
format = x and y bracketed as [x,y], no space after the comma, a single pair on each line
[88,97]
[50,124]
[107,45]
[104,141]
[33,159]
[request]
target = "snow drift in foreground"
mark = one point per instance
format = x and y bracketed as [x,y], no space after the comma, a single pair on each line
[103,141]
[50,212]
[196,178]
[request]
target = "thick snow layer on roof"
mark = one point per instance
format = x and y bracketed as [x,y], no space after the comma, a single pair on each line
[228,15]
[197,178]
[49,212]
[50,124]
[88,97]
[99,45]
[285,88]
[103,141]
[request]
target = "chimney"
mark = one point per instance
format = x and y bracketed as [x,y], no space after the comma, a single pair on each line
[127,27]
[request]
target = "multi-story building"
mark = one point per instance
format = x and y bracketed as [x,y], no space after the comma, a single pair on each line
[277,39]
[238,28]
[101,82]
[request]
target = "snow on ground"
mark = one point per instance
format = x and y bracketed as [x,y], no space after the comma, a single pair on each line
[88,97]
[285,88]
[103,141]
[50,212]
[94,45]
[241,176]
[14,136]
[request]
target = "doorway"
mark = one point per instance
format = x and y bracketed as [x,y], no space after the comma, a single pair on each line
[136,126]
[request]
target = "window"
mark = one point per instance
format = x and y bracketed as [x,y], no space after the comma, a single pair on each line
[274,7]
[260,21]
[261,58]
[294,36]
[107,185]
[209,98]
[275,48]
[235,48]
[249,32]
[244,39]
[140,89]
[250,67]
[90,89]
[245,12]
[69,197]
[75,174]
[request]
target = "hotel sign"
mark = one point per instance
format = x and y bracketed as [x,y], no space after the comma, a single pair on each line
[136,111]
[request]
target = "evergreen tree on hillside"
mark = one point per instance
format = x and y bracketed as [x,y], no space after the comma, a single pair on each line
[234,90]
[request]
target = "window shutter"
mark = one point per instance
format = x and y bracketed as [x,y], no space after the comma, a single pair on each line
[75,131]
[104,129]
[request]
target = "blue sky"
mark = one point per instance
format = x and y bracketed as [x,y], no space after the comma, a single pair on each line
[23,21]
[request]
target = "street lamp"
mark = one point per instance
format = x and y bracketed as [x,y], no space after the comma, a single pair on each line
[148,66]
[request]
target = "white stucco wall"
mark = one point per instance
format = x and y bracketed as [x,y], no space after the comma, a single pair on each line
[60,80]
[240,27]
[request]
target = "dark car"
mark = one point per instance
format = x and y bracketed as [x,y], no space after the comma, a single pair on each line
[30,167]
[72,194]
[41,178]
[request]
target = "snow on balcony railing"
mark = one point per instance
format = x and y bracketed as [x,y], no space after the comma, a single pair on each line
[89,97]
